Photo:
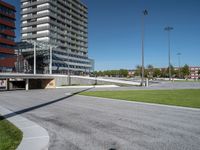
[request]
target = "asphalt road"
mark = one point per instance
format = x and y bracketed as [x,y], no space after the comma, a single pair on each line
[86,123]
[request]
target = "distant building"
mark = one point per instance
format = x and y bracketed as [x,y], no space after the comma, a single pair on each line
[59,22]
[131,73]
[194,72]
[7,36]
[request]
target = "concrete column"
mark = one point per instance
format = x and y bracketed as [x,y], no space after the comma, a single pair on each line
[27,84]
[8,84]
[68,69]
[34,64]
[18,61]
[50,60]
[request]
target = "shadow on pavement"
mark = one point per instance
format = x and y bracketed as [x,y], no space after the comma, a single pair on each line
[41,105]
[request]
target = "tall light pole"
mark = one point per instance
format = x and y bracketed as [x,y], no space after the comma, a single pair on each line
[179,64]
[34,59]
[68,70]
[168,29]
[50,59]
[145,13]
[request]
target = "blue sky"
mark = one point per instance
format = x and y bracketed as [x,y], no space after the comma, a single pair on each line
[115,32]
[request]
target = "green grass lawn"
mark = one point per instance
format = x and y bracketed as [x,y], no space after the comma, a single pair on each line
[186,98]
[10,136]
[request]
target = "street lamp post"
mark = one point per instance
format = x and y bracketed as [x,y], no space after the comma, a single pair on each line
[18,61]
[168,29]
[34,59]
[50,59]
[145,13]
[68,71]
[179,64]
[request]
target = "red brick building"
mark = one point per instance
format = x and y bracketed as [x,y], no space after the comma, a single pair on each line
[194,72]
[7,36]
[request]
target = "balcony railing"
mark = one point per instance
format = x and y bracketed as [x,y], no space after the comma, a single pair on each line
[33,3]
[8,32]
[6,41]
[7,23]
[36,29]
[35,9]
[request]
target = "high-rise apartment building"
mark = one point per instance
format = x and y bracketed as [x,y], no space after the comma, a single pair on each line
[63,23]
[7,35]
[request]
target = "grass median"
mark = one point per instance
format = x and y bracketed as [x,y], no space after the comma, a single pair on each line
[185,98]
[10,136]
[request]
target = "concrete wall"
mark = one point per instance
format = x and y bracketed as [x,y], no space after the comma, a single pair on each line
[57,81]
[63,81]
[41,83]
[48,83]
[75,80]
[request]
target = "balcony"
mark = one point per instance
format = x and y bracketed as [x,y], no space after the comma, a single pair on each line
[35,23]
[6,41]
[69,12]
[7,62]
[75,9]
[34,3]
[66,28]
[8,15]
[36,36]
[35,10]
[7,23]
[7,5]
[36,29]
[8,32]
[38,16]
[6,50]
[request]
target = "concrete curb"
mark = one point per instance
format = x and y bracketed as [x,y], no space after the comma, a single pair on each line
[88,86]
[34,136]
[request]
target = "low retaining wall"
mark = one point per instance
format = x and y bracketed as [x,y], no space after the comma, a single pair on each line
[79,80]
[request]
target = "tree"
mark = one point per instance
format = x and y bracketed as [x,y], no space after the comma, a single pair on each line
[138,71]
[176,73]
[172,71]
[95,73]
[164,73]
[185,71]
[150,70]
[123,72]
[100,73]
[157,73]
[199,74]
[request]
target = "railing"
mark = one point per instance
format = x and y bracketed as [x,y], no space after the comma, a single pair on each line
[35,9]
[33,3]
[36,29]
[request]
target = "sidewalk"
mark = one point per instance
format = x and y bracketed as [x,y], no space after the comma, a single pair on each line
[34,136]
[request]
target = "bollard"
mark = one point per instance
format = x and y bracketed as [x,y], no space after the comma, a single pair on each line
[147,82]
[27,84]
